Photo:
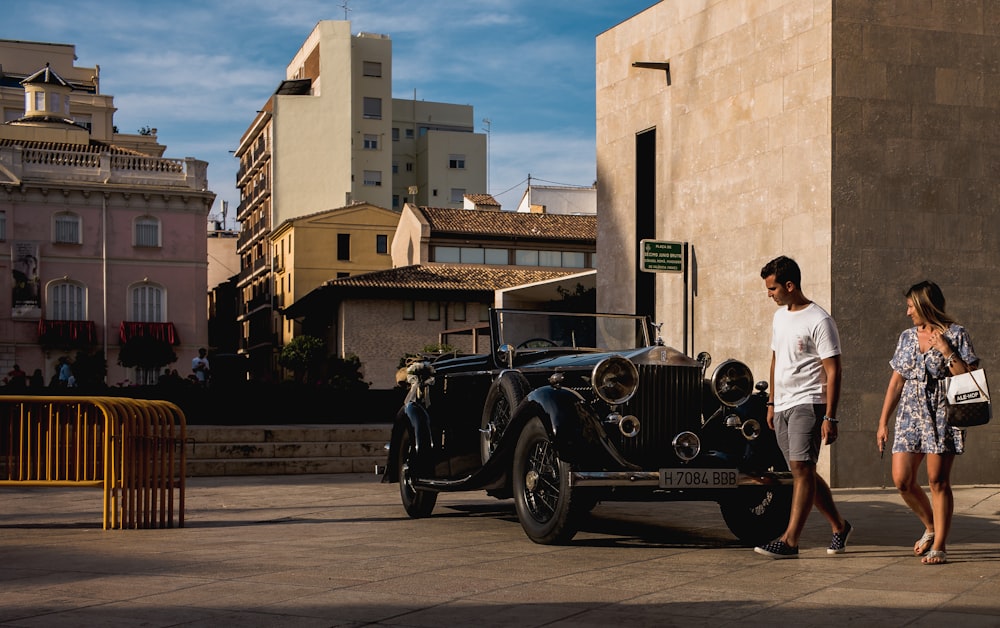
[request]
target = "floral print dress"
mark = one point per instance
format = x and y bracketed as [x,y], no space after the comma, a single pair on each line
[921,426]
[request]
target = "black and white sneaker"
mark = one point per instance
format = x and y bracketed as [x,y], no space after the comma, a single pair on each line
[838,544]
[777,549]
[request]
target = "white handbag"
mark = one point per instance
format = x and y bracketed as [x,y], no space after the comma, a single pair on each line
[968,399]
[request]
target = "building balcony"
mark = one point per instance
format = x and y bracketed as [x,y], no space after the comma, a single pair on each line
[36,163]
[252,162]
[57,334]
[158,331]
[257,303]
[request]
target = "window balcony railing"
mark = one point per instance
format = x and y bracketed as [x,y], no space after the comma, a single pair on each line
[58,334]
[160,331]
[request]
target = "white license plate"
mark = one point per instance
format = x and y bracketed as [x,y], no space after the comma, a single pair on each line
[698,478]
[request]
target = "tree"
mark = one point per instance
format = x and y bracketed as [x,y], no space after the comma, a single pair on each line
[344,374]
[302,355]
[578,300]
[89,369]
[146,352]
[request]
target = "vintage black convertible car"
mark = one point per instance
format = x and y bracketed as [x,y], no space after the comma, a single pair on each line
[568,410]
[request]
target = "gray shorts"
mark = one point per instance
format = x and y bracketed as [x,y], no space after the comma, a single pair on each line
[799,432]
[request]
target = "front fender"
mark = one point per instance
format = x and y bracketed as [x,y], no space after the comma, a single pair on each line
[571,423]
[732,448]
[412,417]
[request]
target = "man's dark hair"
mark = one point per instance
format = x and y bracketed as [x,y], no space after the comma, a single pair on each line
[784,270]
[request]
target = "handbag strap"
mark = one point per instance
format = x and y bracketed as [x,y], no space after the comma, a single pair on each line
[976,382]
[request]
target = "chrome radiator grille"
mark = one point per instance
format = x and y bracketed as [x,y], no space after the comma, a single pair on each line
[667,401]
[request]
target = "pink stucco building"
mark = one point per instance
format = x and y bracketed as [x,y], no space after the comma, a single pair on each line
[102,245]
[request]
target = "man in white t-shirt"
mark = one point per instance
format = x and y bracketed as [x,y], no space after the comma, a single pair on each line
[805,387]
[199,366]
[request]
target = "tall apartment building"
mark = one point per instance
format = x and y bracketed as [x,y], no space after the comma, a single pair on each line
[331,136]
[100,235]
[436,157]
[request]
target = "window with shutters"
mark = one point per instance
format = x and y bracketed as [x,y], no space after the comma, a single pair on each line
[147,303]
[67,301]
[147,231]
[66,228]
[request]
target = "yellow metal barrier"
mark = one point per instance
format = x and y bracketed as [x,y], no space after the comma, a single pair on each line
[131,448]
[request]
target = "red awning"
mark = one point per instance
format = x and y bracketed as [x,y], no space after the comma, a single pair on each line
[159,331]
[66,333]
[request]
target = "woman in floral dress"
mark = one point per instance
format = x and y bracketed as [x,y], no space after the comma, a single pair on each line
[933,349]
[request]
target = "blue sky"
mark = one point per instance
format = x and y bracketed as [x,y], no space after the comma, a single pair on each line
[198,70]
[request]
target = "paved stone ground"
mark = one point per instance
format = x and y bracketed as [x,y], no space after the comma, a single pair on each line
[338,550]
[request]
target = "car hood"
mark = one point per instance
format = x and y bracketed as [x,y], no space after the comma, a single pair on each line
[656,355]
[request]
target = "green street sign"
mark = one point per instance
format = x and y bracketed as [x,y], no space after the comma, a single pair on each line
[661,257]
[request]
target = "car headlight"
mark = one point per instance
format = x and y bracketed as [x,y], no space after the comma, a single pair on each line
[732,382]
[615,379]
[687,446]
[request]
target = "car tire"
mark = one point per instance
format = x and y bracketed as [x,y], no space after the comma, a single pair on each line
[758,514]
[418,503]
[542,494]
[505,394]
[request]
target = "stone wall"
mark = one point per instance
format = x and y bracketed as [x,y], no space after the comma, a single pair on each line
[862,143]
[916,153]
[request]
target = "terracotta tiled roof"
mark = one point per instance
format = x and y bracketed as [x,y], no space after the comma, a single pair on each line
[353,205]
[458,280]
[483,199]
[510,224]
[93,147]
[450,277]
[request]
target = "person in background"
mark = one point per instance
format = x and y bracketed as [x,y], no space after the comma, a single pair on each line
[65,373]
[934,348]
[16,380]
[805,389]
[37,381]
[200,367]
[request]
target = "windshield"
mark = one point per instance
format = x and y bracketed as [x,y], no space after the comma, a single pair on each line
[604,332]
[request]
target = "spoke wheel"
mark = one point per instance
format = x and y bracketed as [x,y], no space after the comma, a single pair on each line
[758,515]
[542,495]
[505,394]
[418,503]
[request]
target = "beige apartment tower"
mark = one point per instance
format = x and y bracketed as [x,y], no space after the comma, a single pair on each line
[859,138]
[329,137]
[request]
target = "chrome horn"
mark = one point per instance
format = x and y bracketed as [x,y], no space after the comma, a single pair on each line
[750,429]
[628,425]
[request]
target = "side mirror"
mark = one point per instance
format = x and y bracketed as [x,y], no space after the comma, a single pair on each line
[706,360]
[505,354]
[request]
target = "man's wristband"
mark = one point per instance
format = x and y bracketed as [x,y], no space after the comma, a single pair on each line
[769,403]
[830,419]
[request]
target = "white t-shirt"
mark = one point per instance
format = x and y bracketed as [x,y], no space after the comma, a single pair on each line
[200,373]
[800,341]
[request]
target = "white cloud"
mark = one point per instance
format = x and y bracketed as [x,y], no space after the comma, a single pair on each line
[198,71]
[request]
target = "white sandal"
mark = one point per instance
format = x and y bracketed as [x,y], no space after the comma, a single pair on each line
[935,557]
[924,544]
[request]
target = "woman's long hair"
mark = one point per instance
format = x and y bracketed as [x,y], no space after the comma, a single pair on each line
[928,301]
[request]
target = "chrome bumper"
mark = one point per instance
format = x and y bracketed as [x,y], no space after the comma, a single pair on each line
[652,478]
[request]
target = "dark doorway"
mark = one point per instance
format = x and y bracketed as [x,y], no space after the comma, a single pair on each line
[645,218]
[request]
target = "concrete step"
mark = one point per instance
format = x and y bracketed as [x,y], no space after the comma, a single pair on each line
[215,450]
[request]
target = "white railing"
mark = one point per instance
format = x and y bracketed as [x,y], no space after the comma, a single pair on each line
[146,164]
[60,158]
[36,163]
